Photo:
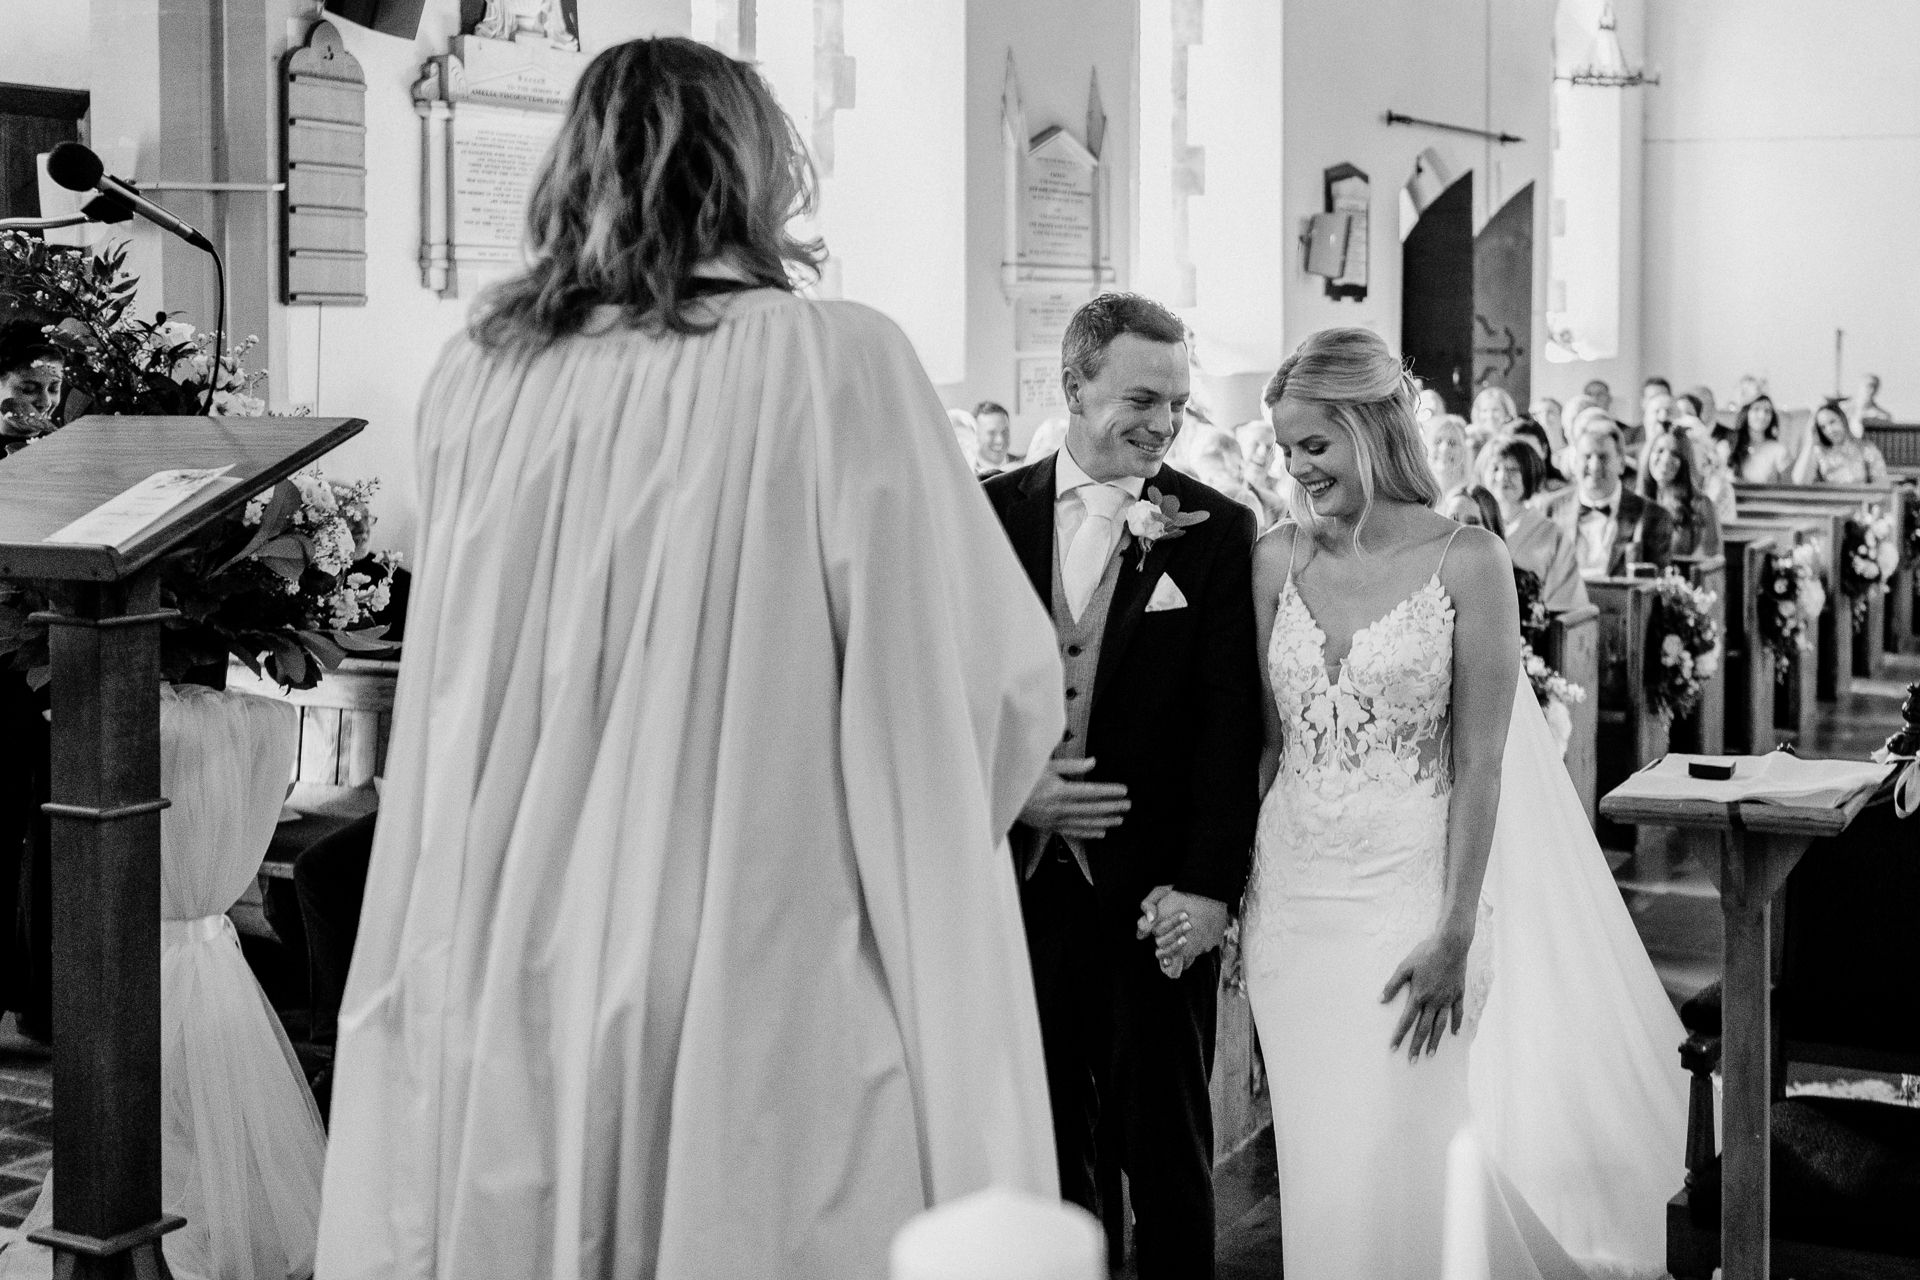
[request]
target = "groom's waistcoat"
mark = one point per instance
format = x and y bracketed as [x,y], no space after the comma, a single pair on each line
[1080,657]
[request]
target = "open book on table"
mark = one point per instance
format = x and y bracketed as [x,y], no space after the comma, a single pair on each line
[1779,777]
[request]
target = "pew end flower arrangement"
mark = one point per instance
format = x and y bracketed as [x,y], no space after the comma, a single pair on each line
[1683,646]
[1556,694]
[1869,560]
[1791,600]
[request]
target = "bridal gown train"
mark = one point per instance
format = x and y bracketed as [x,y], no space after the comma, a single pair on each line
[1566,1068]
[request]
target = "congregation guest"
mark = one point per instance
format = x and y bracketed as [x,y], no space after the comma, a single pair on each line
[1867,407]
[1221,465]
[1614,528]
[1748,389]
[1046,439]
[1547,412]
[1758,454]
[1474,506]
[689,944]
[1448,452]
[1707,408]
[33,374]
[1511,472]
[1429,406]
[1258,449]
[994,426]
[966,434]
[1831,455]
[1530,432]
[1493,414]
[1711,475]
[1667,479]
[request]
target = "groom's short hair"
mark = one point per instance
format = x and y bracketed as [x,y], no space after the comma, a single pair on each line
[1095,326]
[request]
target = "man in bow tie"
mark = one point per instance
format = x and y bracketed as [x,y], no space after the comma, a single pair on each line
[1613,527]
[1149,809]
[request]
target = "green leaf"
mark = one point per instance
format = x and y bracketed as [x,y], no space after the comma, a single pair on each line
[366,640]
[279,513]
[329,654]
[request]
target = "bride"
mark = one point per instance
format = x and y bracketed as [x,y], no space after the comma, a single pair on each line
[1432,939]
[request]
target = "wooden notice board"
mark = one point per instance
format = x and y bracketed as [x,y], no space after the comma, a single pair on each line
[325,233]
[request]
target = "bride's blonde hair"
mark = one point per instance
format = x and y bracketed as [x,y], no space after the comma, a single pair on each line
[1361,384]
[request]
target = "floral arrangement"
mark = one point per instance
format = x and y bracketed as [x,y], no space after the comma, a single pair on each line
[288,588]
[1869,559]
[1556,694]
[1683,643]
[1791,599]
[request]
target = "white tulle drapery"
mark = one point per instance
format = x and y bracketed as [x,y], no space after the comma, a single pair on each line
[242,1148]
[1578,1093]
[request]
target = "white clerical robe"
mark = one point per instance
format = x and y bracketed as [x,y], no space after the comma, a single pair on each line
[690,945]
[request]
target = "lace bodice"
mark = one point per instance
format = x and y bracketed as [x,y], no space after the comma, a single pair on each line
[1385,719]
[1358,811]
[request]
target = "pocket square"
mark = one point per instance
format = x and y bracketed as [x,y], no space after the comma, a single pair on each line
[1165,596]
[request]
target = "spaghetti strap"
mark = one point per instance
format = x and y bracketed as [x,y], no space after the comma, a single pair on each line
[1443,552]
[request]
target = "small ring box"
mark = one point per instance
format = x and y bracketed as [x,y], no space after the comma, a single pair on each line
[1710,770]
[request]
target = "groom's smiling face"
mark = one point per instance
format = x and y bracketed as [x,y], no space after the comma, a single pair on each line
[1126,415]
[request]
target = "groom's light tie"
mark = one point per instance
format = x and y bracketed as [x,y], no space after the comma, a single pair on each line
[1086,557]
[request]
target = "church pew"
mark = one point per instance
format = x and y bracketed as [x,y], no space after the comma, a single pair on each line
[1867,651]
[1629,733]
[1703,731]
[1748,668]
[1889,498]
[1825,531]
[1796,695]
[1573,649]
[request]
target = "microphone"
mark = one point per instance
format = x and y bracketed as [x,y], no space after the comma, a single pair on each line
[77,168]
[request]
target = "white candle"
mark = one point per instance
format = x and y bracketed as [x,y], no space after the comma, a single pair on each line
[1001,1234]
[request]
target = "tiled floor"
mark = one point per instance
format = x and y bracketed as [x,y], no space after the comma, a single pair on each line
[26,1121]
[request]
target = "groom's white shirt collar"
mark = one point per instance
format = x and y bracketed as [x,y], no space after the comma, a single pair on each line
[1068,476]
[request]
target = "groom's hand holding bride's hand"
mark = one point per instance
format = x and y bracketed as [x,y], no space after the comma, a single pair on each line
[1185,926]
[1066,805]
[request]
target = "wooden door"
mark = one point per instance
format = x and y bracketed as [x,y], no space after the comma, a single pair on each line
[1503,300]
[1437,296]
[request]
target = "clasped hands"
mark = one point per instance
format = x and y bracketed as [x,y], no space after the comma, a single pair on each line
[1184,926]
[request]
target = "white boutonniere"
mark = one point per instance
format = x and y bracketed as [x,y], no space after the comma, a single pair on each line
[1158,516]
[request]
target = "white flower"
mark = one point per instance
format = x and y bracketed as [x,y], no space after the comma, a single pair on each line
[1707,664]
[1146,520]
[1672,649]
[315,492]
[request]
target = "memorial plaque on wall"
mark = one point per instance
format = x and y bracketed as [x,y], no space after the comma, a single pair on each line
[489,110]
[1040,318]
[1037,386]
[324,235]
[1057,202]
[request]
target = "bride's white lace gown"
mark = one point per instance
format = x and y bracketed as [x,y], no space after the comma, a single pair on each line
[1349,876]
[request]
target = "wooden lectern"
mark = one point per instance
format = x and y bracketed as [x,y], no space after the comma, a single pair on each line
[105,644]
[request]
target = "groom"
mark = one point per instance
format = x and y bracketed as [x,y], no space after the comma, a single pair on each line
[1153,789]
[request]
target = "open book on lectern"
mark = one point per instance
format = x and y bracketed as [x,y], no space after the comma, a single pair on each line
[105,496]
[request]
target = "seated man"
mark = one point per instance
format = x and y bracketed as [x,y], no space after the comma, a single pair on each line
[1612,527]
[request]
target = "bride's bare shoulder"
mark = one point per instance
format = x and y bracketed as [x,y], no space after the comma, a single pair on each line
[1276,548]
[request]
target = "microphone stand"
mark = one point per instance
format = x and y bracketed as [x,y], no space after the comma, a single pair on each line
[220,275]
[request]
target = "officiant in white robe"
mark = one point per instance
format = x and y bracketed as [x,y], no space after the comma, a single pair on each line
[688,949]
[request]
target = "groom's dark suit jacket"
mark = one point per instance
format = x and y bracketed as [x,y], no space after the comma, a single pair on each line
[1176,711]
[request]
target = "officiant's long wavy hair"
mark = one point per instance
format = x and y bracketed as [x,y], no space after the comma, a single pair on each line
[1363,386]
[673,156]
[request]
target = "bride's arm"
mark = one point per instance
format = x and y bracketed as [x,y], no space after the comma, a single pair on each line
[1486,671]
[1270,558]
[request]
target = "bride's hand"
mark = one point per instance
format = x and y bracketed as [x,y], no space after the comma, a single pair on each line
[1435,976]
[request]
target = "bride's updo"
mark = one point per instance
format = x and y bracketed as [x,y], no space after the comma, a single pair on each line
[1360,383]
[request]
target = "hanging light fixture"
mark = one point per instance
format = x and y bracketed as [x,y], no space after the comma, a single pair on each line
[1609,69]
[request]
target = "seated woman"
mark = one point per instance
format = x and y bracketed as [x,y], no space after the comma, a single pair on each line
[1475,506]
[1758,454]
[33,374]
[1527,431]
[1667,477]
[1493,414]
[1448,453]
[1709,454]
[1832,456]
[1511,471]
[1548,413]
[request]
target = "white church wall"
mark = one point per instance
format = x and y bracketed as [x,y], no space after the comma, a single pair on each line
[1782,171]
[46,44]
